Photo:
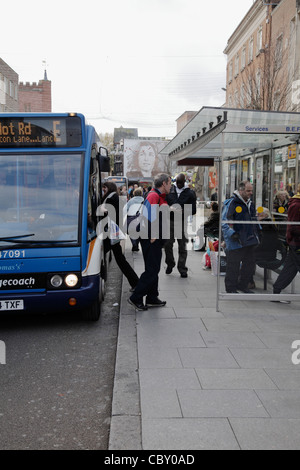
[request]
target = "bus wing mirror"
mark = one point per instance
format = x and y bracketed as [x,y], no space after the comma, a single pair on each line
[104,160]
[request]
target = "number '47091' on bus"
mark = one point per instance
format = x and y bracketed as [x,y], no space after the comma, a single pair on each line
[51,256]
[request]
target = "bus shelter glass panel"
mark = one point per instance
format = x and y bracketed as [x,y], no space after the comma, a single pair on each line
[259,258]
[39,197]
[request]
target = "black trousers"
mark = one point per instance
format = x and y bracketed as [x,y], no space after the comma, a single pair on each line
[148,282]
[182,251]
[240,268]
[122,262]
[289,271]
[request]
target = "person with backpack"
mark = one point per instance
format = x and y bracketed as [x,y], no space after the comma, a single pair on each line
[133,209]
[155,211]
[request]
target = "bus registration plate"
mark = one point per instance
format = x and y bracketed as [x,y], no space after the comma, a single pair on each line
[11,305]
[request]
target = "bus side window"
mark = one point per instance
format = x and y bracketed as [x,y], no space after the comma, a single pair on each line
[94,195]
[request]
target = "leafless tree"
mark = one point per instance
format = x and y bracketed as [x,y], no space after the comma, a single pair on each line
[266,83]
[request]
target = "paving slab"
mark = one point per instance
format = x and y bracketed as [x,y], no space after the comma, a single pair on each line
[281,403]
[234,339]
[267,433]
[263,358]
[220,358]
[188,434]
[235,379]
[221,404]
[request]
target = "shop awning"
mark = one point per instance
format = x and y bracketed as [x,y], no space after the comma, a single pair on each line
[231,133]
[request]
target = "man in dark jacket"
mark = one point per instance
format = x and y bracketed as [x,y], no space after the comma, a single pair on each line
[241,238]
[184,200]
[292,262]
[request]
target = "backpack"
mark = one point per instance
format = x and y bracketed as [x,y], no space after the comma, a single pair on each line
[137,218]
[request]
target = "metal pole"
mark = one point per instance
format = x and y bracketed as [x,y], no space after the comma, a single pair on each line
[220,189]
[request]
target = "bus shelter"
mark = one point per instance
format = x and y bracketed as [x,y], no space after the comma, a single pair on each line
[253,146]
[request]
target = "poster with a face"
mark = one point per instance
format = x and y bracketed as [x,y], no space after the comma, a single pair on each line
[142,159]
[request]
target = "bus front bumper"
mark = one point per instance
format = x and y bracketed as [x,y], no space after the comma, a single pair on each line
[51,301]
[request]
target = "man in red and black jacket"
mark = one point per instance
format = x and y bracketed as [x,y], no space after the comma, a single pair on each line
[153,236]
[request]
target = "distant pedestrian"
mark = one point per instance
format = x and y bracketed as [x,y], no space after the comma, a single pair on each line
[241,238]
[152,247]
[281,202]
[211,226]
[214,196]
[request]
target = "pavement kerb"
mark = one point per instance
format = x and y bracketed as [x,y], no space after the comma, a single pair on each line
[125,428]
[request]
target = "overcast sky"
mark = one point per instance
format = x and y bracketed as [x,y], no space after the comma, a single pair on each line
[135,63]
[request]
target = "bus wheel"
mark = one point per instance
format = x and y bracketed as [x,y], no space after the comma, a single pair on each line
[103,278]
[92,313]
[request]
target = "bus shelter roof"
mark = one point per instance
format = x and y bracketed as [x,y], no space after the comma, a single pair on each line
[230,133]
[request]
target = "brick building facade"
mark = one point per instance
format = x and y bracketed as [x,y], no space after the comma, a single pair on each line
[35,97]
[8,88]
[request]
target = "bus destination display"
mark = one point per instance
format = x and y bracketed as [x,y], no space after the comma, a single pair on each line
[56,131]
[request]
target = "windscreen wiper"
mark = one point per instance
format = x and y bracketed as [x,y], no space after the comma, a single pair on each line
[17,241]
[16,238]
[47,242]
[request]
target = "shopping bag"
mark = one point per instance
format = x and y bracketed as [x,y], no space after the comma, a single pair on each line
[196,244]
[214,255]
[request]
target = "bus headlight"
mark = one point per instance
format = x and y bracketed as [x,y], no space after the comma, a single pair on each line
[56,281]
[71,280]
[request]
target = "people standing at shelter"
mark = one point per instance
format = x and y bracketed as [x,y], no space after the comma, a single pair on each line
[211,226]
[110,193]
[266,251]
[214,196]
[241,238]
[185,200]
[292,262]
[281,202]
[152,244]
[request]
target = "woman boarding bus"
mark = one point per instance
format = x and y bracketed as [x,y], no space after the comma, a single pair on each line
[50,184]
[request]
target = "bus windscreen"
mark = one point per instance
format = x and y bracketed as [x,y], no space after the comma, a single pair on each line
[42,131]
[39,197]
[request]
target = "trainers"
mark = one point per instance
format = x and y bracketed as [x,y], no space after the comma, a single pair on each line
[183,274]
[137,306]
[156,303]
[169,270]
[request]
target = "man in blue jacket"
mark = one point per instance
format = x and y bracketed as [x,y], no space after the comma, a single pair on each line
[240,238]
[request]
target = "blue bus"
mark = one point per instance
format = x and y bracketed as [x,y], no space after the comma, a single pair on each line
[51,256]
